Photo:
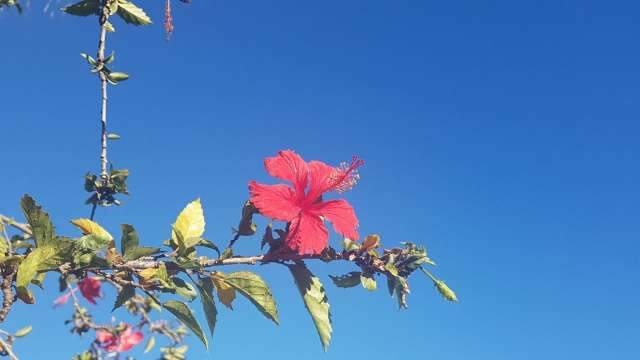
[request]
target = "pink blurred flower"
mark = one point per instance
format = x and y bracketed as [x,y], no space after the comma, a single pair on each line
[62,299]
[118,343]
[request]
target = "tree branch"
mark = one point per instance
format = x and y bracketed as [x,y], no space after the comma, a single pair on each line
[25,228]
[104,16]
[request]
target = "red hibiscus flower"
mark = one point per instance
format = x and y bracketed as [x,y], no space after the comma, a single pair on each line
[90,289]
[302,205]
[118,343]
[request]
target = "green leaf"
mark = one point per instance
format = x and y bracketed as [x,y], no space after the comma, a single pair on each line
[83,8]
[125,294]
[129,244]
[209,244]
[92,242]
[150,344]
[28,268]
[182,312]
[184,289]
[109,27]
[205,287]
[24,331]
[368,282]
[132,14]
[113,136]
[315,300]
[130,239]
[108,60]
[347,280]
[256,290]
[41,226]
[141,252]
[90,60]
[116,77]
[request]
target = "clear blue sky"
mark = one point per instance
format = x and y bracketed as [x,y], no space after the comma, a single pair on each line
[503,135]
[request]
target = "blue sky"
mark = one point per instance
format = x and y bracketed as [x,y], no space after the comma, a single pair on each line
[502,135]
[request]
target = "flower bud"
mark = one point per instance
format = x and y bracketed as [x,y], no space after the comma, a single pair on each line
[445,291]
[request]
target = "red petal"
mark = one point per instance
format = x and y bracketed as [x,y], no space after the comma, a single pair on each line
[289,166]
[90,289]
[135,338]
[341,215]
[307,235]
[104,336]
[320,176]
[274,201]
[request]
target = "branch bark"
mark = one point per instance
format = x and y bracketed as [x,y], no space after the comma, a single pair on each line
[25,228]
[104,16]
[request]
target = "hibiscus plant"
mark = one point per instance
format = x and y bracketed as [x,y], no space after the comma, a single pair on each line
[187,265]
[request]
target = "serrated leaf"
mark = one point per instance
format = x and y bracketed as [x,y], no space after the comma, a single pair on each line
[315,300]
[182,312]
[150,344]
[205,287]
[132,14]
[347,280]
[125,294]
[251,286]
[190,223]
[24,331]
[83,8]
[28,268]
[41,226]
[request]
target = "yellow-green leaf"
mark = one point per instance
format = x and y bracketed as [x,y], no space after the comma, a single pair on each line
[150,344]
[368,282]
[190,223]
[315,300]
[89,227]
[132,14]
[28,268]
[24,331]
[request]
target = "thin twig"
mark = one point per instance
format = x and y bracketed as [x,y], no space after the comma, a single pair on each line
[7,348]
[25,228]
[104,16]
